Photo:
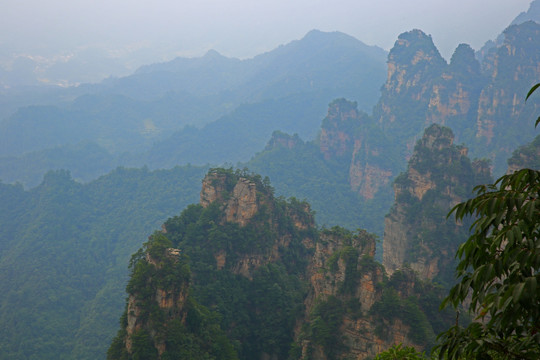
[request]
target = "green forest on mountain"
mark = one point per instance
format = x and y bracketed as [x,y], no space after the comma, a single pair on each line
[90,174]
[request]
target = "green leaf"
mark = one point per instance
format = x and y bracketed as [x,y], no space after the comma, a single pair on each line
[531,286]
[531,91]
[518,290]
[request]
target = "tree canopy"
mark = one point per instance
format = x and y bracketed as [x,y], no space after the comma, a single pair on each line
[499,271]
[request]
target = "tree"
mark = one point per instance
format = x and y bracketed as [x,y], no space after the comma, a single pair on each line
[499,271]
[398,352]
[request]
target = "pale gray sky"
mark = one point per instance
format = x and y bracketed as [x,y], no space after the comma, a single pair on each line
[241,28]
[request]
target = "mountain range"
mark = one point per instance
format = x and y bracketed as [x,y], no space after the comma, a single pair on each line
[135,117]
[65,245]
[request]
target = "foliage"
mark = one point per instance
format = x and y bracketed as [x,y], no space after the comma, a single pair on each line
[415,303]
[323,330]
[449,176]
[499,268]
[188,330]
[257,310]
[64,248]
[304,173]
[400,352]
[499,271]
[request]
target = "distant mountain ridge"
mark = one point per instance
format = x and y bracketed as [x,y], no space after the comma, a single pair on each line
[300,60]
[532,14]
[130,114]
[62,233]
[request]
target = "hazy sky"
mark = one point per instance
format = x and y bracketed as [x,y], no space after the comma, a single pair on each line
[241,28]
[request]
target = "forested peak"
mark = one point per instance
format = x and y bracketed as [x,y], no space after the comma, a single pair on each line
[436,153]
[54,176]
[413,47]
[338,129]
[340,111]
[436,137]
[162,320]
[213,54]
[463,60]
[526,156]
[57,181]
[221,184]
[522,34]
[280,139]
[241,197]
[417,232]
[322,38]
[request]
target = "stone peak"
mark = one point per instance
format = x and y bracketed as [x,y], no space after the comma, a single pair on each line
[413,46]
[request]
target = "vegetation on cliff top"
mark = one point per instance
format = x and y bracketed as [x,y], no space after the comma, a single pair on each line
[257,310]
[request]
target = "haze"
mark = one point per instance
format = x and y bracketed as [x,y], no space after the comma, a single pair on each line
[141,32]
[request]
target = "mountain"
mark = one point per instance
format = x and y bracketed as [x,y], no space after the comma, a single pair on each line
[502,110]
[482,103]
[339,172]
[84,160]
[279,287]
[526,156]
[237,136]
[64,247]
[417,233]
[485,108]
[130,114]
[532,14]
[330,61]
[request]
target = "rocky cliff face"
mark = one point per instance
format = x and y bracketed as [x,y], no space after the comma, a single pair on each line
[328,269]
[260,263]
[454,95]
[502,113]
[240,205]
[526,156]
[338,129]
[438,176]
[347,283]
[282,140]
[169,301]
[422,89]
[345,138]
[240,198]
[484,105]
[371,166]
[413,64]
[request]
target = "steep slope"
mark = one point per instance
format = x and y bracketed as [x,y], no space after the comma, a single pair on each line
[162,320]
[417,233]
[247,251]
[526,156]
[64,248]
[345,173]
[413,65]
[84,160]
[502,110]
[280,288]
[532,14]
[484,108]
[238,135]
[320,60]
[351,137]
